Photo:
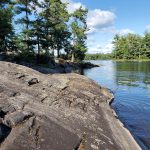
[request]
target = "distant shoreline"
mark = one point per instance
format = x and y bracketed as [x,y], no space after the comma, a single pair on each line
[123,59]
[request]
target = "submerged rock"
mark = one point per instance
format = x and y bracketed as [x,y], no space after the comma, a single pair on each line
[61,112]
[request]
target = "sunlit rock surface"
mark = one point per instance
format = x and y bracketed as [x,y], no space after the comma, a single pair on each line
[56,112]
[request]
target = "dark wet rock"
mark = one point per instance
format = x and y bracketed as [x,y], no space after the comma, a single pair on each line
[33,81]
[2,57]
[20,76]
[61,112]
[88,65]
[2,114]
[66,67]
[4,131]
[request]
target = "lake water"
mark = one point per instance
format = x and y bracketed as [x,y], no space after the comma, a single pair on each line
[130,82]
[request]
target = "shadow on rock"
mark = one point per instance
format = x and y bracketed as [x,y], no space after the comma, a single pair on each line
[4,132]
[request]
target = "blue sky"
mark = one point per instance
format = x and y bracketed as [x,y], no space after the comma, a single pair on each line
[109,17]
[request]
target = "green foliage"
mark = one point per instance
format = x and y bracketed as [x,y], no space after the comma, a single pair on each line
[54,17]
[6,28]
[54,29]
[131,46]
[145,49]
[78,30]
[43,32]
[26,8]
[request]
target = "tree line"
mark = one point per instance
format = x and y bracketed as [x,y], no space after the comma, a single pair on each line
[34,30]
[98,56]
[131,46]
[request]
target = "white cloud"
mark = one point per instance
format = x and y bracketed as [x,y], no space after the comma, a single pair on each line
[113,30]
[124,31]
[147,28]
[91,30]
[72,6]
[99,19]
[101,49]
[108,48]
[95,49]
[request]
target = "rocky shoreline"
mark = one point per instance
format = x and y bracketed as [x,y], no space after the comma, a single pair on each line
[121,133]
[57,112]
[66,67]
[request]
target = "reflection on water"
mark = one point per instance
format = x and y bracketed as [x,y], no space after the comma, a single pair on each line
[133,73]
[130,82]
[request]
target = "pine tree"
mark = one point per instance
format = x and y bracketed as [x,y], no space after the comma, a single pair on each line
[79,29]
[55,18]
[6,28]
[25,9]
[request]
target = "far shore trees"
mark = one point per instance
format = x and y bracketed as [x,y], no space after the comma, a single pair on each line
[126,47]
[132,46]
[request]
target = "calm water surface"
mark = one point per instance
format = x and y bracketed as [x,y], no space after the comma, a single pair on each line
[130,82]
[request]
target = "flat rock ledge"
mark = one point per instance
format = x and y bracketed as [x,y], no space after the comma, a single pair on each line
[57,112]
